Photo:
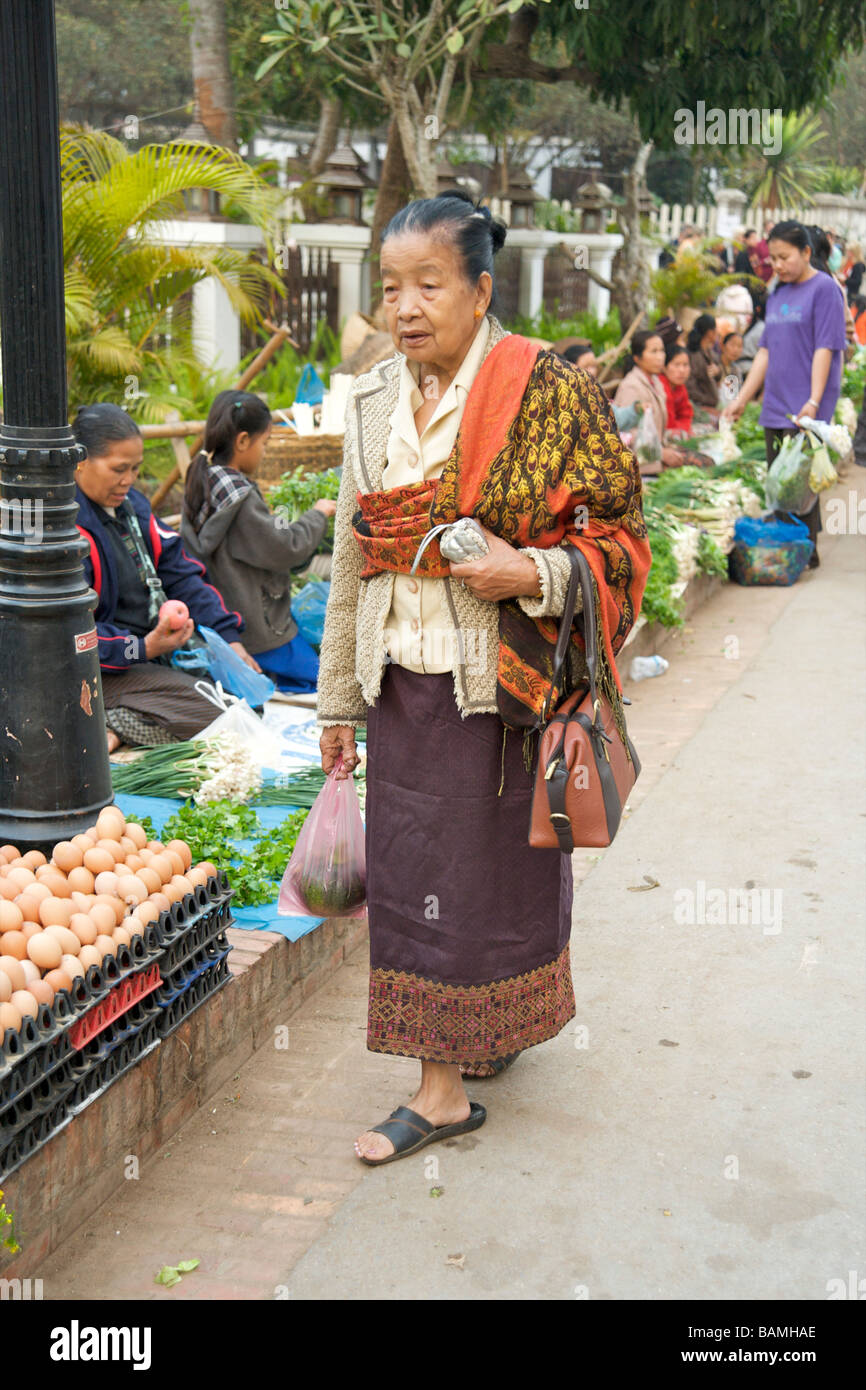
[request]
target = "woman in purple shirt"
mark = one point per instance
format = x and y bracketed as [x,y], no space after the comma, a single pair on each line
[799,362]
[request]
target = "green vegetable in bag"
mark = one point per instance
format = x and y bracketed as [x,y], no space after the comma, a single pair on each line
[788,487]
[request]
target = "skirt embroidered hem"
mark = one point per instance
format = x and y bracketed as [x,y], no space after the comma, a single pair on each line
[413,1017]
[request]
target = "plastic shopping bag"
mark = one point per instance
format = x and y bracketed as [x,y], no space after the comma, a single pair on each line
[233,673]
[308,609]
[788,487]
[326,875]
[263,744]
[647,445]
[822,473]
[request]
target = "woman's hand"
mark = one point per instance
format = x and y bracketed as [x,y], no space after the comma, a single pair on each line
[164,638]
[326,505]
[807,409]
[502,573]
[734,409]
[672,458]
[245,656]
[337,741]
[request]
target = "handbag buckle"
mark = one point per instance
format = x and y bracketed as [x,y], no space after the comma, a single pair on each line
[549,771]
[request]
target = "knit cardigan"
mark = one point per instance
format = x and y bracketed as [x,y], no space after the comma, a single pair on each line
[353,650]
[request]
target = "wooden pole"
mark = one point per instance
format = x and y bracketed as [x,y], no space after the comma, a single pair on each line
[607,359]
[279,336]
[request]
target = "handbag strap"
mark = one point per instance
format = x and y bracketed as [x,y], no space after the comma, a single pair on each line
[581,578]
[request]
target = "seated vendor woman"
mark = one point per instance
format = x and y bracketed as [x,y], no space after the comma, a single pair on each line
[249,550]
[136,563]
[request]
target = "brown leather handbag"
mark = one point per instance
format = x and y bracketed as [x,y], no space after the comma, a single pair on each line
[583,774]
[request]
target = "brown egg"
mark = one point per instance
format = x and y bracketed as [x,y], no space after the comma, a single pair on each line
[10,1019]
[105,944]
[31,929]
[111,847]
[5,988]
[11,916]
[56,912]
[80,880]
[72,966]
[182,884]
[90,955]
[8,889]
[156,846]
[56,883]
[133,891]
[11,966]
[128,846]
[106,883]
[84,927]
[31,971]
[59,979]
[146,856]
[121,934]
[22,876]
[117,905]
[42,992]
[111,823]
[99,861]
[45,950]
[67,856]
[176,861]
[14,944]
[150,878]
[33,859]
[170,892]
[83,901]
[83,842]
[69,942]
[197,876]
[182,848]
[209,868]
[36,893]
[134,862]
[9,852]
[162,865]
[23,1001]
[103,916]
[137,834]
[146,912]
[159,901]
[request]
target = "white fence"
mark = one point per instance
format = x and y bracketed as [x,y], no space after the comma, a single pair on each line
[731,214]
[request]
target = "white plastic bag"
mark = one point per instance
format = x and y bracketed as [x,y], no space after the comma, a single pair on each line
[240,719]
[647,445]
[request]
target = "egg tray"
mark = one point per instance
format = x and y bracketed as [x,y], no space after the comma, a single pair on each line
[43,1043]
[198,988]
[125,1053]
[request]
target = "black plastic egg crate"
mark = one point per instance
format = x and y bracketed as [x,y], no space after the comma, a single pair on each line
[114,1015]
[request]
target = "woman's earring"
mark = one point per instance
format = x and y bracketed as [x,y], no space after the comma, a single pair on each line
[478,313]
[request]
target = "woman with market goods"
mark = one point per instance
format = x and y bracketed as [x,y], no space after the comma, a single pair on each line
[642,384]
[249,550]
[150,594]
[448,667]
[799,362]
[703,385]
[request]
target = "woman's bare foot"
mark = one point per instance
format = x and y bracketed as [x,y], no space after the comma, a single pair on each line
[112,740]
[440,1098]
[472,1069]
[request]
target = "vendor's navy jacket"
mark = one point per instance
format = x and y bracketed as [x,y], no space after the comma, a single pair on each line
[182,578]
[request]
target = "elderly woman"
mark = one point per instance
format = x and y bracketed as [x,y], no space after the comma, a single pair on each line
[469,926]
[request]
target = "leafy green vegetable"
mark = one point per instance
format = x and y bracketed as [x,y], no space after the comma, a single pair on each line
[659,604]
[211,832]
[710,558]
[298,490]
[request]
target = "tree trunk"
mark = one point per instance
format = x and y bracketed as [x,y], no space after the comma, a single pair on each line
[395,190]
[419,136]
[631,273]
[326,135]
[211,74]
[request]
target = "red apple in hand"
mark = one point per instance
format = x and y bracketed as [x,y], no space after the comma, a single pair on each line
[175,612]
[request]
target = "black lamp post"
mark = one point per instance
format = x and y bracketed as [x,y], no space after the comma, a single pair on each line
[54,774]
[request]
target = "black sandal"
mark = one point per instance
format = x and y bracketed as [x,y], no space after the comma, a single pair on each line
[410,1131]
[499,1065]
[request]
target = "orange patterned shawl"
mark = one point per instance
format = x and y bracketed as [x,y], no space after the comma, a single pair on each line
[538,461]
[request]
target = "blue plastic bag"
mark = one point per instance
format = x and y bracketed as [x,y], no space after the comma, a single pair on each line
[233,673]
[308,608]
[311,388]
[754,530]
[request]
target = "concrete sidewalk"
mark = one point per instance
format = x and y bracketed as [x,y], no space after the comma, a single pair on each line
[694,1133]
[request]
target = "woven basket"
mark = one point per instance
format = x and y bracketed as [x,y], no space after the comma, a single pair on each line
[285,451]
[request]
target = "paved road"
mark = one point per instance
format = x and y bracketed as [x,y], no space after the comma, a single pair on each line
[695,1133]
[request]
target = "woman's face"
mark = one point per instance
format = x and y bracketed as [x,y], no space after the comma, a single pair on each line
[430,308]
[249,450]
[710,338]
[788,261]
[677,370]
[106,478]
[733,348]
[652,359]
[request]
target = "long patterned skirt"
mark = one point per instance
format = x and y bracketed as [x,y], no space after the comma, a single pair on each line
[469,926]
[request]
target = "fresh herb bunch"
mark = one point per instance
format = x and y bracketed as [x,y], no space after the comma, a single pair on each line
[297,490]
[659,604]
[711,559]
[210,831]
